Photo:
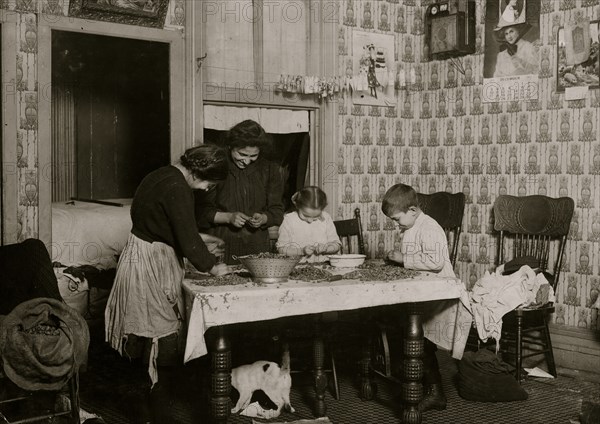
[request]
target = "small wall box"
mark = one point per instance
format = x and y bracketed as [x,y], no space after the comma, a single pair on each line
[450,29]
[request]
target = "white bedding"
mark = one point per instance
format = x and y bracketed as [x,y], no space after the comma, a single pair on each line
[89,233]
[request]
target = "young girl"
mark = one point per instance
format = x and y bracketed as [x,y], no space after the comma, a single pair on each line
[308,231]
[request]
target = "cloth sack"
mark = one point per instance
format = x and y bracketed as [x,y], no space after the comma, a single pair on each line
[42,343]
[75,292]
[483,377]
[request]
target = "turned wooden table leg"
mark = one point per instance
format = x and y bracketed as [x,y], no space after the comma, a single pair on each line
[412,387]
[320,378]
[220,381]
[366,377]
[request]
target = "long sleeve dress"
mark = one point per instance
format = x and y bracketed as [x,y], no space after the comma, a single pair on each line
[298,233]
[146,300]
[257,188]
[526,61]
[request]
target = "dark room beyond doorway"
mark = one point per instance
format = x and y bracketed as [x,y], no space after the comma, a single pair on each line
[110,114]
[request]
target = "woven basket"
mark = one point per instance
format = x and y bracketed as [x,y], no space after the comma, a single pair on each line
[269,270]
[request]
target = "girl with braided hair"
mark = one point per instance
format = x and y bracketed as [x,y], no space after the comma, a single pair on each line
[143,316]
[249,200]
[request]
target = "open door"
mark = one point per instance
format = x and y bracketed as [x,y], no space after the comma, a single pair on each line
[110,114]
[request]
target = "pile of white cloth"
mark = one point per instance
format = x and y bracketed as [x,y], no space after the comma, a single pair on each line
[495,294]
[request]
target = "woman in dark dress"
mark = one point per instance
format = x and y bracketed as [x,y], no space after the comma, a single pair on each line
[250,200]
[144,313]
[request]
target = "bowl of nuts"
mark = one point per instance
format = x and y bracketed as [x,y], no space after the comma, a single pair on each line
[269,267]
[347,260]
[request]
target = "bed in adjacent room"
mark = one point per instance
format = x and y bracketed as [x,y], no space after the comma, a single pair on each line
[87,239]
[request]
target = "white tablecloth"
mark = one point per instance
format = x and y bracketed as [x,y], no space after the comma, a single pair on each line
[220,305]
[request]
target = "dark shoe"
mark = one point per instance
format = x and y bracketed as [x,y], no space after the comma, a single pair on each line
[434,398]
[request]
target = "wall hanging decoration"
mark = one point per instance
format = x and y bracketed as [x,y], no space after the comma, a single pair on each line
[578,63]
[322,87]
[450,29]
[511,61]
[374,69]
[150,13]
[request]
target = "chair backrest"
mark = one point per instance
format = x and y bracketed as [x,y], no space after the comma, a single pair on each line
[273,237]
[351,227]
[534,224]
[448,210]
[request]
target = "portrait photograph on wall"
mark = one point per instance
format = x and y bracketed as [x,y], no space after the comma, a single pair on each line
[511,56]
[374,69]
[578,57]
[150,13]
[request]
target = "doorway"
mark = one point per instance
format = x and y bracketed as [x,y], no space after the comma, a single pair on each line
[290,151]
[110,114]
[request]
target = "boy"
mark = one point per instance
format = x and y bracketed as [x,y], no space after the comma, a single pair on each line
[424,247]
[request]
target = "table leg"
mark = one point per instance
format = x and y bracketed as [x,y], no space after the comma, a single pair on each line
[320,378]
[220,403]
[412,387]
[367,389]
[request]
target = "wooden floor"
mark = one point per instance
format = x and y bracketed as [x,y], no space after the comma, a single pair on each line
[109,389]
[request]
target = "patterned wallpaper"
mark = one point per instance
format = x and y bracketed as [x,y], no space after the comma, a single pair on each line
[441,136]
[29,12]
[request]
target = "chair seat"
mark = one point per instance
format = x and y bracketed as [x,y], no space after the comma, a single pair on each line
[547,309]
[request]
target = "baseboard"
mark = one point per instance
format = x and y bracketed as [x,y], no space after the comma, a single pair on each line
[576,351]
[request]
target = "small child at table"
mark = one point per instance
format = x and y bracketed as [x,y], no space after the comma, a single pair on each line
[308,231]
[424,247]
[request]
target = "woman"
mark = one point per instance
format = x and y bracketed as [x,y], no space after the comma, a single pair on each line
[144,311]
[250,200]
[517,56]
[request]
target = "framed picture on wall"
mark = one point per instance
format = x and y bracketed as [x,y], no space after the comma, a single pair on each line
[374,66]
[581,72]
[150,13]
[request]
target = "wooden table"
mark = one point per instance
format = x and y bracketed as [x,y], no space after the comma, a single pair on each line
[210,306]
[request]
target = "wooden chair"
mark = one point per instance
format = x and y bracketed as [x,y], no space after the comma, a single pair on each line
[273,237]
[347,228]
[14,402]
[532,226]
[448,210]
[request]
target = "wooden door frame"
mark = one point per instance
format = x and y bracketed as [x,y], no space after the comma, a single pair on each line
[8,22]
[176,85]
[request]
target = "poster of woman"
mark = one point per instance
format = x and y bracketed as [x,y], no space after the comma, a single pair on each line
[511,57]
[374,69]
